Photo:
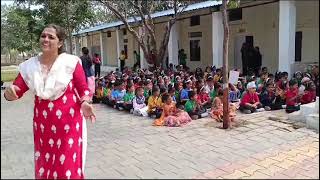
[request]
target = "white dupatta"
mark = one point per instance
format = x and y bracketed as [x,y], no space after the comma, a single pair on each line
[58,78]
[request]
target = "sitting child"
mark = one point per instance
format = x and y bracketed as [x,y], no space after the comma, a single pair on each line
[270,98]
[262,81]
[109,88]
[250,101]
[193,108]
[128,97]
[309,91]
[234,93]
[139,105]
[184,95]
[147,89]
[99,93]
[171,92]
[217,108]
[203,98]
[155,103]
[171,116]
[292,97]
[117,95]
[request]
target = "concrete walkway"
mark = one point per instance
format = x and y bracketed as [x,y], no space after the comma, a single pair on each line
[121,145]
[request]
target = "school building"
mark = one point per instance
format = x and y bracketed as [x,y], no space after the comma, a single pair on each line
[286,31]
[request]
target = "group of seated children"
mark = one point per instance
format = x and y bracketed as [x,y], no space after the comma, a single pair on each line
[175,97]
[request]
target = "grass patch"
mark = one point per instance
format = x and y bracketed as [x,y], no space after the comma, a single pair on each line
[7,76]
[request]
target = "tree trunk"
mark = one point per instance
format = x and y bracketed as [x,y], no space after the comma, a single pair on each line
[226,121]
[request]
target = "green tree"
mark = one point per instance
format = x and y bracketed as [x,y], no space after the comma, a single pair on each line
[70,14]
[18,27]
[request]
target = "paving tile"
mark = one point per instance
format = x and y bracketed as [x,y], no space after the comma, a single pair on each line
[267,162]
[236,175]
[286,164]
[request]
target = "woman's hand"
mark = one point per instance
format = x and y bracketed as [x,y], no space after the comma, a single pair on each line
[87,110]
[11,93]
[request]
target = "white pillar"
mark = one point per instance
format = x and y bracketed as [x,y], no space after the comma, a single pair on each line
[287,32]
[119,36]
[143,61]
[103,49]
[77,45]
[85,41]
[173,45]
[217,39]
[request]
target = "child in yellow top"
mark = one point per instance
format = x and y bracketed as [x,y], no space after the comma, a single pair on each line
[155,103]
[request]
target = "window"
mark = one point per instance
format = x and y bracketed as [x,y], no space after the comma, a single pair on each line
[298,46]
[195,50]
[125,40]
[109,34]
[195,34]
[124,31]
[235,14]
[195,20]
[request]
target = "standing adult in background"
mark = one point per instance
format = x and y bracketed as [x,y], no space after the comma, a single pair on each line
[97,64]
[87,67]
[244,58]
[136,60]
[122,58]
[59,126]
[182,58]
[257,60]
[251,60]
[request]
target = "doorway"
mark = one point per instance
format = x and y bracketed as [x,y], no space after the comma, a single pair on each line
[239,40]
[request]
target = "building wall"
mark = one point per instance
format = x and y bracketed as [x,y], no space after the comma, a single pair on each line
[129,61]
[112,50]
[263,24]
[308,23]
[264,31]
[205,40]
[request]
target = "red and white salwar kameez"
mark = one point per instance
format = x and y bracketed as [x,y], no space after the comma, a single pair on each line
[58,124]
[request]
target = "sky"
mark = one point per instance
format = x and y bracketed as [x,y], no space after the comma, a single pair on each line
[10,2]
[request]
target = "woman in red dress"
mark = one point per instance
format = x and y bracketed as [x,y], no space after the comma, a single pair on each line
[61,106]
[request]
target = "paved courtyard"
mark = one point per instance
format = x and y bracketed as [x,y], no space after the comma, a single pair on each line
[121,145]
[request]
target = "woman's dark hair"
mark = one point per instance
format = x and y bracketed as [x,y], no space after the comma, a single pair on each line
[61,34]
[165,97]
[85,50]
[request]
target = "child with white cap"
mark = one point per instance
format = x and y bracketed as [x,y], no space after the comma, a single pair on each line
[250,102]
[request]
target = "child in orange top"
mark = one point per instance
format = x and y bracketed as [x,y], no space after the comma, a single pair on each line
[217,108]
[171,116]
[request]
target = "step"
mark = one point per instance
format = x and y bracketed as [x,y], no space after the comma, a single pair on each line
[307,109]
[312,121]
[297,117]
